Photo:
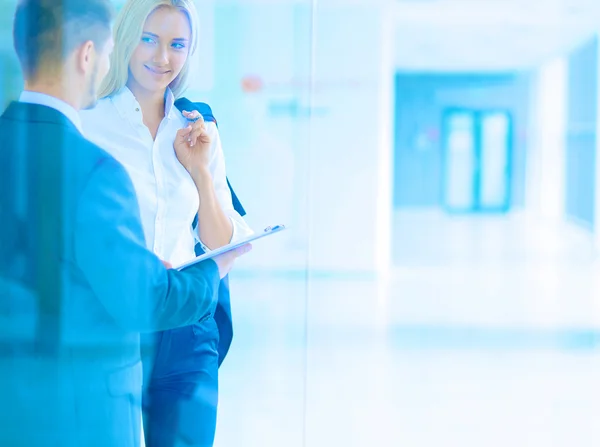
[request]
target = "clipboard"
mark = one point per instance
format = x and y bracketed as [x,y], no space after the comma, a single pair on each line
[225,248]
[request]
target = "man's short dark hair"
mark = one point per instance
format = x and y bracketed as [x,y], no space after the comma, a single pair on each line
[45,32]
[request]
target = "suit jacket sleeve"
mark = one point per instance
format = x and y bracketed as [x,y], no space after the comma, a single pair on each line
[130,281]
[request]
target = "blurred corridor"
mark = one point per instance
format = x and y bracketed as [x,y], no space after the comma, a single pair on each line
[485,334]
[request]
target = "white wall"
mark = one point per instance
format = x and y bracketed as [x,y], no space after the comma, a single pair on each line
[351,144]
[326,169]
[547,144]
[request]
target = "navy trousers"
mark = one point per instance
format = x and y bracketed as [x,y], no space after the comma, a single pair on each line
[181,386]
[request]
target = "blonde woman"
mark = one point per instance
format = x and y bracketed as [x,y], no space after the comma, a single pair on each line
[178,171]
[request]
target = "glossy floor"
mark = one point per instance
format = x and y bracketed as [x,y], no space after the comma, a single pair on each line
[486,333]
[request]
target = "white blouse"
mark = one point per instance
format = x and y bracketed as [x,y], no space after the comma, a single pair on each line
[167,195]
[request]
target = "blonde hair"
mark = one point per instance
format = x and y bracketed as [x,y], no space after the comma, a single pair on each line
[128,30]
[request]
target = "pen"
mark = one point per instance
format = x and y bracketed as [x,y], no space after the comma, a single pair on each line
[276,227]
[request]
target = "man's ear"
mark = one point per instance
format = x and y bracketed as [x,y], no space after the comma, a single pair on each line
[85,56]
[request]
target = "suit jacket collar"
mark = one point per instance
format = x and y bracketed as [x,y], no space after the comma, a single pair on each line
[35,113]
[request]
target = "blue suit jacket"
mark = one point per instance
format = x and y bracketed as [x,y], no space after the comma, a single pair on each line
[77,286]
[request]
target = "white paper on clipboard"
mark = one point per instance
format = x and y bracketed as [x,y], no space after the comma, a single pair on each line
[211,254]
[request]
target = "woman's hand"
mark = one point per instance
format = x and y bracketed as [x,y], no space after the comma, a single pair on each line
[192,145]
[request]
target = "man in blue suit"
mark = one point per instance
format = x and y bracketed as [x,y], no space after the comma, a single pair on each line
[77,285]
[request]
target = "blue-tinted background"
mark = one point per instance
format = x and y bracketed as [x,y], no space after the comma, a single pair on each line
[387,316]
